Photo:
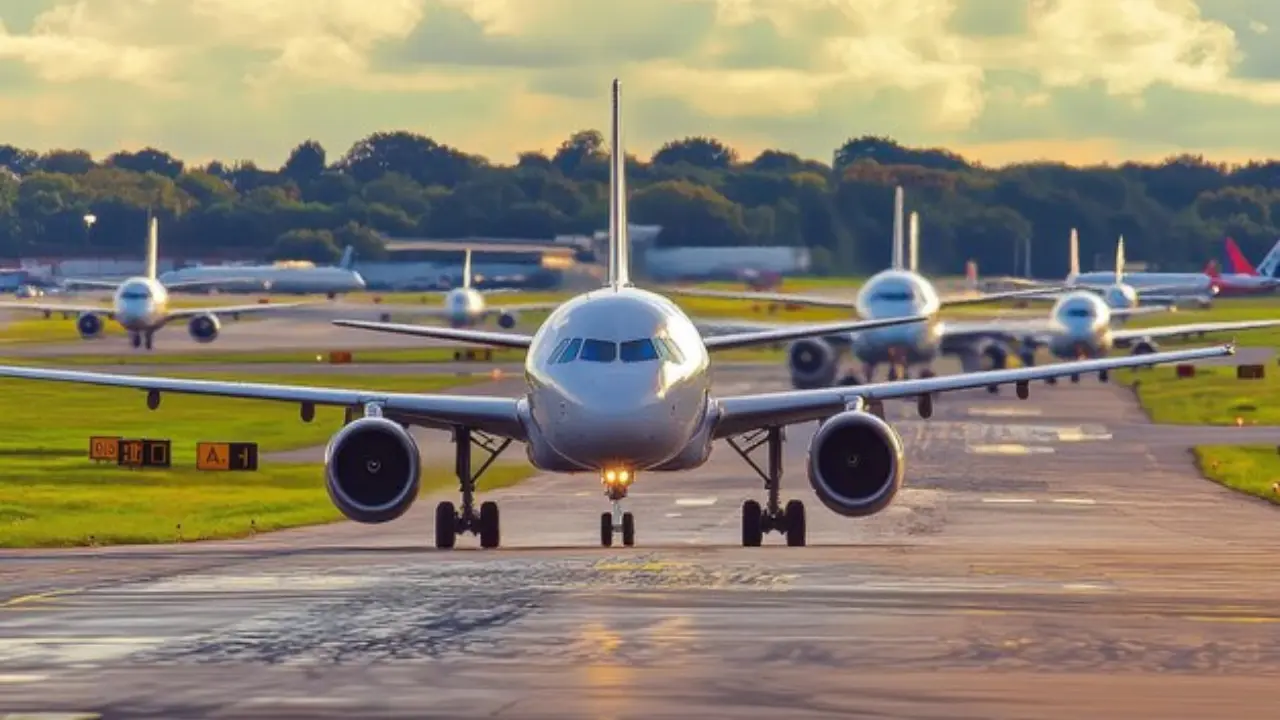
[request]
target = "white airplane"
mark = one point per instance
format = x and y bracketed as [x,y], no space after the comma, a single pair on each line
[141,305]
[897,292]
[292,278]
[465,306]
[617,384]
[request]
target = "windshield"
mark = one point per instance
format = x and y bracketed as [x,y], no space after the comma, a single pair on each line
[601,351]
[903,296]
[638,351]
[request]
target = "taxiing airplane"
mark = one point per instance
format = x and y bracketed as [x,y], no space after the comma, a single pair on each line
[289,278]
[1244,279]
[896,292]
[465,306]
[141,305]
[617,384]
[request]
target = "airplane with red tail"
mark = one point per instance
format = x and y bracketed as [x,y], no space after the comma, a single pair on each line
[1244,278]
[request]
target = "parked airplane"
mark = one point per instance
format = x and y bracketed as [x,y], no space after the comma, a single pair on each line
[617,384]
[897,292]
[1244,279]
[1122,298]
[465,306]
[141,305]
[279,278]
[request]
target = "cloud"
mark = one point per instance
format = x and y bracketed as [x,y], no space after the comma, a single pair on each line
[1070,79]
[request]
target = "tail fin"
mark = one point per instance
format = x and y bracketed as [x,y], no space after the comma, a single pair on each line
[619,241]
[153,246]
[1120,260]
[348,257]
[1267,268]
[897,261]
[913,249]
[1211,268]
[971,274]
[1075,255]
[466,269]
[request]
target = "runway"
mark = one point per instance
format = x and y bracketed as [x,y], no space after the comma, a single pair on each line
[1048,559]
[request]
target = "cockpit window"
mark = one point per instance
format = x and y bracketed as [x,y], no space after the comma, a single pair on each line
[894,296]
[638,351]
[135,294]
[668,351]
[569,352]
[1079,313]
[601,351]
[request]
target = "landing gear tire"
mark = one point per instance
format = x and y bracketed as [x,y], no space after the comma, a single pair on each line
[1104,376]
[1051,381]
[793,516]
[490,527]
[135,340]
[1075,378]
[628,530]
[148,340]
[446,530]
[606,529]
[752,524]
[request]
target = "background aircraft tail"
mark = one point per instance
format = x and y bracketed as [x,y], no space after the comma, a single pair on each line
[619,241]
[466,269]
[1211,268]
[1074,266]
[1120,260]
[913,238]
[1267,268]
[348,258]
[897,261]
[1238,262]
[153,246]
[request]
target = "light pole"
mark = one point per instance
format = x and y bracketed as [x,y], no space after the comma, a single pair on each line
[89,220]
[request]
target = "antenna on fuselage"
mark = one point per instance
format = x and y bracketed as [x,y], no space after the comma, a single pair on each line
[913,248]
[897,228]
[466,270]
[619,242]
[1074,260]
[153,245]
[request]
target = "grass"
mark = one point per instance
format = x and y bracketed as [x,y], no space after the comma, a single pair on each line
[1213,397]
[52,495]
[62,501]
[1252,470]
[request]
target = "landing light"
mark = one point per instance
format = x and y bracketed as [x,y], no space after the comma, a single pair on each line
[617,477]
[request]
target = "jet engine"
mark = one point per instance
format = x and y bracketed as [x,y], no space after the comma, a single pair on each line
[813,364]
[89,325]
[204,328]
[1146,346]
[372,470]
[507,320]
[994,355]
[856,464]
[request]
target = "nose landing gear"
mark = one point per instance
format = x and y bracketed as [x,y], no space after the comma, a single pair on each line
[616,483]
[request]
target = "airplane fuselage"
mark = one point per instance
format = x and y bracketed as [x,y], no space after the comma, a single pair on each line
[1184,283]
[898,293]
[618,378]
[141,304]
[294,280]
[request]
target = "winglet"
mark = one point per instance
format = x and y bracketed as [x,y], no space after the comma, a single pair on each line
[466,269]
[619,242]
[153,245]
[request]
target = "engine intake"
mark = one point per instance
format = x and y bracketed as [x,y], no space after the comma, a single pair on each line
[372,470]
[204,328]
[89,325]
[507,320]
[813,364]
[856,464]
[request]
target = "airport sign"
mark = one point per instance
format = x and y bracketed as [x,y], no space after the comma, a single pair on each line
[143,453]
[232,456]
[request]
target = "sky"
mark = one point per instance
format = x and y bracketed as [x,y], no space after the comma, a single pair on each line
[1079,81]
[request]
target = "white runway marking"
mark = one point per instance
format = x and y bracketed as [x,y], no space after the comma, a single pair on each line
[1007,501]
[16,678]
[696,502]
[674,515]
[1009,449]
[1075,501]
[1005,412]
[1079,435]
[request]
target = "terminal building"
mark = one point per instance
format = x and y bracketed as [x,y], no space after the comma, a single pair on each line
[425,264]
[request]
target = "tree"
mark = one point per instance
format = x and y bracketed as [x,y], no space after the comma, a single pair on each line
[67,162]
[697,151]
[583,148]
[147,160]
[305,164]
[318,246]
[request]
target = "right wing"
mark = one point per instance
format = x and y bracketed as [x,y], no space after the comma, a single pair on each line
[499,416]
[801,330]
[844,303]
[745,413]
[97,284]
[58,308]
[479,337]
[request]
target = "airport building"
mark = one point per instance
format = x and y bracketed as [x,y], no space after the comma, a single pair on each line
[427,264]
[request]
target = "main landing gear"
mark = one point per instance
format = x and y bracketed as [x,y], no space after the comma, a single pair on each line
[757,521]
[137,340]
[450,521]
[616,483]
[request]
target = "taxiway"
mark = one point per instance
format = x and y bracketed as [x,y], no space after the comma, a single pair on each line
[1050,558]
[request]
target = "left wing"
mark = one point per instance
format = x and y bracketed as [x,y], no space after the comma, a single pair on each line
[184,313]
[496,415]
[49,308]
[1128,335]
[744,413]
[479,337]
[526,307]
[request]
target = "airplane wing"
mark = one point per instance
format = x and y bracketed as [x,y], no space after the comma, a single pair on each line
[98,284]
[745,413]
[958,300]
[58,308]
[847,304]
[725,341]
[494,415]
[1125,313]
[184,313]
[479,337]
[526,307]
[1129,335]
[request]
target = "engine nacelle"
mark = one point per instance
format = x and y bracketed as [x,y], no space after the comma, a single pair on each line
[372,470]
[813,364]
[507,320]
[1145,346]
[994,355]
[204,328]
[856,464]
[89,325]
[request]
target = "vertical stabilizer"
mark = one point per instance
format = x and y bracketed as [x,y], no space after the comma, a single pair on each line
[1074,268]
[348,258]
[619,242]
[153,246]
[1120,260]
[913,238]
[466,269]
[1267,268]
[897,261]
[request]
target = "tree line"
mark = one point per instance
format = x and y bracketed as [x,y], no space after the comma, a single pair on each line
[399,184]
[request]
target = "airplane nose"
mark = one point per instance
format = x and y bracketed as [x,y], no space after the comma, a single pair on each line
[608,423]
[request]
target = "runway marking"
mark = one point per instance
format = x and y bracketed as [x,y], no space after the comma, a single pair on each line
[1076,501]
[674,515]
[252,583]
[696,502]
[1005,412]
[304,701]
[1079,435]
[16,678]
[1007,501]
[1009,449]
[52,716]
[37,597]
